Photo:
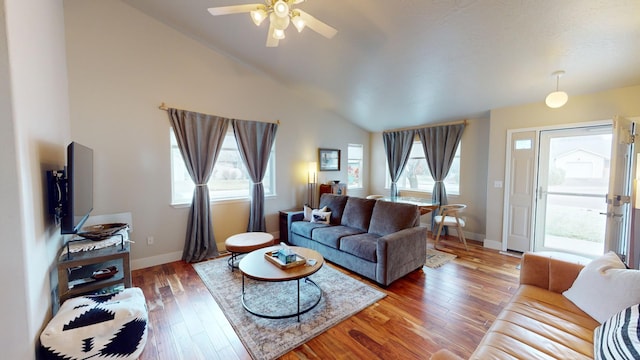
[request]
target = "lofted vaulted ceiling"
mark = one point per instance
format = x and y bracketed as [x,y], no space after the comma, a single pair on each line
[410,62]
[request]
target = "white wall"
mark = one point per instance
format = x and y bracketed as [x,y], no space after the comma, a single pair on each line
[583,108]
[34,127]
[122,65]
[473,171]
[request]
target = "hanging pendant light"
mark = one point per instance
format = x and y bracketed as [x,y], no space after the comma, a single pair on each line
[557,98]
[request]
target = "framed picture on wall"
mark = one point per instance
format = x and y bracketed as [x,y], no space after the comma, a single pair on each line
[329,159]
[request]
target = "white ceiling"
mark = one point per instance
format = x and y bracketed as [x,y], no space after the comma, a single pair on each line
[404,63]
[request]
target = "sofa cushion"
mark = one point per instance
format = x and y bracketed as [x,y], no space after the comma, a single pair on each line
[618,337]
[330,235]
[304,228]
[335,204]
[357,213]
[389,217]
[605,275]
[541,324]
[363,246]
[548,272]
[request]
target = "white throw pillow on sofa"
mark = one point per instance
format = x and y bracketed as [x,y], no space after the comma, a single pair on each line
[319,216]
[308,212]
[605,287]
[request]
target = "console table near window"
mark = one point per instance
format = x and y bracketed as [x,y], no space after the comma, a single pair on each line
[337,189]
[75,270]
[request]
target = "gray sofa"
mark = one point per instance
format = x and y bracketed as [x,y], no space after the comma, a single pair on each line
[377,239]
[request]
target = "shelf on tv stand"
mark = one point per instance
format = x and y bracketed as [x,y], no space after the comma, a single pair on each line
[81,265]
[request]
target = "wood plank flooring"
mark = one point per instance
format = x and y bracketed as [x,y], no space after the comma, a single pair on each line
[429,309]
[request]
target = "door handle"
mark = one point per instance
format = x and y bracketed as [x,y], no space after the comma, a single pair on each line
[541,193]
[609,214]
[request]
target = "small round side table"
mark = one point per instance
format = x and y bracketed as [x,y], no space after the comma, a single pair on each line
[245,243]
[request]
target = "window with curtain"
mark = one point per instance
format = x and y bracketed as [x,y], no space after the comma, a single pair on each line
[416,176]
[229,179]
[354,166]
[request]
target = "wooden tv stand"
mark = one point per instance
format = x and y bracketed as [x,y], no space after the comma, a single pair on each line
[81,265]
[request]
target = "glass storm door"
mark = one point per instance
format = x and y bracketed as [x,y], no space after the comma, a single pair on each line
[618,213]
[573,183]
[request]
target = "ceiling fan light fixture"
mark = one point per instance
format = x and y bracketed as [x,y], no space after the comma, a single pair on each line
[298,22]
[278,34]
[558,98]
[281,9]
[280,14]
[278,22]
[258,16]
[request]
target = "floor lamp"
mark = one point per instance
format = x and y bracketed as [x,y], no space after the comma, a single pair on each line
[311,184]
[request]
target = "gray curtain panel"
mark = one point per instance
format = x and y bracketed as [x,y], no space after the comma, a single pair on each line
[200,139]
[397,145]
[255,140]
[440,144]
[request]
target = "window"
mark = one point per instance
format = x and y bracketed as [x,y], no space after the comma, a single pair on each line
[229,179]
[416,175]
[354,166]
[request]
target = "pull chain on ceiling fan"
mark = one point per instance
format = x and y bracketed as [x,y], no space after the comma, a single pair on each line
[281,14]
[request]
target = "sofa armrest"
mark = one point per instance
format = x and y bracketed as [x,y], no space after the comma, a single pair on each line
[401,252]
[291,217]
[548,273]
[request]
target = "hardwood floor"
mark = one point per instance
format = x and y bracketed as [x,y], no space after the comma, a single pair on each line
[429,309]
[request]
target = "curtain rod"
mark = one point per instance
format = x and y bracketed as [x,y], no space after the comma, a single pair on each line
[428,126]
[165,108]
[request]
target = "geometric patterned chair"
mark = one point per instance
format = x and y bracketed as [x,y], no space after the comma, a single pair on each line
[449,217]
[109,326]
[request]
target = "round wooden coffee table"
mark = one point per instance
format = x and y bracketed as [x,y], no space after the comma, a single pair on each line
[245,243]
[255,266]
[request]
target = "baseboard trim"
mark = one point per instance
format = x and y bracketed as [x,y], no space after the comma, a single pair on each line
[492,244]
[156,260]
[175,256]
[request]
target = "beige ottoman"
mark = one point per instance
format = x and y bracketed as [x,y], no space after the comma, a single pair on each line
[246,243]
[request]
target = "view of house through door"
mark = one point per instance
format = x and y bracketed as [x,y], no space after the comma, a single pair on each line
[569,189]
[573,182]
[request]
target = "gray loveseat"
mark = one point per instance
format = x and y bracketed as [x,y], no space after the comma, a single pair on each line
[377,239]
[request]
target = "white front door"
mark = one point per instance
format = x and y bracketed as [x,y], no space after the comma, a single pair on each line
[519,190]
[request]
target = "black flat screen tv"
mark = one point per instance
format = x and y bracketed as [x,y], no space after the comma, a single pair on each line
[78,202]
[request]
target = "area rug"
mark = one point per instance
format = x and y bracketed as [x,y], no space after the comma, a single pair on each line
[437,258]
[342,297]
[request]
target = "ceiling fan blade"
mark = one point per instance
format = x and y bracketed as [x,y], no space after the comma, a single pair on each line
[271,41]
[317,25]
[295,2]
[234,9]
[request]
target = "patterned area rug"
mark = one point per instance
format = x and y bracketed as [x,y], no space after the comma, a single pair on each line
[342,297]
[436,258]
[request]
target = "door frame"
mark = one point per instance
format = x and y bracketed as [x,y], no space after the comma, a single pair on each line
[507,172]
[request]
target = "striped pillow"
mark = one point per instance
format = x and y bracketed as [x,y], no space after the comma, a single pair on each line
[619,337]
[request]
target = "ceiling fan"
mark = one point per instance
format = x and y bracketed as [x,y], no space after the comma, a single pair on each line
[281,13]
